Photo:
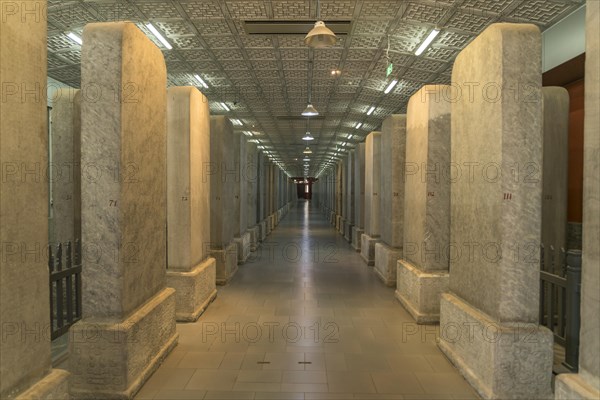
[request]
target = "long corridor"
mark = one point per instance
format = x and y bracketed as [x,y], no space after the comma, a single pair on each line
[305,318]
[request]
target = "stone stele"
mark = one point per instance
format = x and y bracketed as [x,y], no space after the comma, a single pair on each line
[123,215]
[489,318]
[191,272]
[423,270]
[25,364]
[372,195]
[223,178]
[391,215]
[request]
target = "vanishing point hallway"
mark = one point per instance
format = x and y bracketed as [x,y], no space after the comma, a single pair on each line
[305,318]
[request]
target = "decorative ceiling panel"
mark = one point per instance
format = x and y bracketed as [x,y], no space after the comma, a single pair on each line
[263,76]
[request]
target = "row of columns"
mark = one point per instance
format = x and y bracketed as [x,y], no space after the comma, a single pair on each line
[166,199]
[458,195]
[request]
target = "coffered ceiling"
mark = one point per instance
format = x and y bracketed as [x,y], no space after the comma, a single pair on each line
[264,79]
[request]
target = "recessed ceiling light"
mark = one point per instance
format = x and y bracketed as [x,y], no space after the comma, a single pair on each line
[199,79]
[390,86]
[370,110]
[427,42]
[358,125]
[236,121]
[225,107]
[75,38]
[160,37]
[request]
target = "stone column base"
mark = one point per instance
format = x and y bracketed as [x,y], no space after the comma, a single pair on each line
[574,387]
[342,226]
[263,230]
[367,248]
[55,385]
[271,222]
[348,232]
[243,247]
[501,361]
[254,237]
[112,359]
[420,291]
[226,263]
[332,218]
[386,258]
[194,290]
[338,220]
[357,238]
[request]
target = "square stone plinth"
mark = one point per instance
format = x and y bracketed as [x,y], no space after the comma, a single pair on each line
[367,248]
[226,263]
[254,237]
[194,290]
[420,291]
[501,361]
[55,385]
[348,232]
[357,238]
[386,258]
[263,230]
[243,247]
[113,359]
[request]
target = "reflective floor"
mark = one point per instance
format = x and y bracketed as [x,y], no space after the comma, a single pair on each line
[305,318]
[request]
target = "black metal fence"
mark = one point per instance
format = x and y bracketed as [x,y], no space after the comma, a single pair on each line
[560,294]
[64,264]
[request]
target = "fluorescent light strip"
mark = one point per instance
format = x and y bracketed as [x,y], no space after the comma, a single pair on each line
[160,37]
[75,38]
[358,125]
[204,84]
[370,110]
[390,86]
[225,106]
[237,122]
[427,42]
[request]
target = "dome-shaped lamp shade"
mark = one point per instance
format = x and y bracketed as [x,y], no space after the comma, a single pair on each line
[307,150]
[320,36]
[308,136]
[310,111]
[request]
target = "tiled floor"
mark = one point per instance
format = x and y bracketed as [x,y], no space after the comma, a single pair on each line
[306,319]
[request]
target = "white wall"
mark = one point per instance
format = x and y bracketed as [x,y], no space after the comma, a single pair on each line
[564,41]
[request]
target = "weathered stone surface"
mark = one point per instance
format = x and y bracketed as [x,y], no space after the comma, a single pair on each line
[392,156]
[250,173]
[222,183]
[189,272]
[359,186]
[501,212]
[124,216]
[243,185]
[372,184]
[502,361]
[496,212]
[586,384]
[367,248]
[350,187]
[386,258]
[357,238]
[424,267]
[65,224]
[227,261]
[25,366]
[555,170]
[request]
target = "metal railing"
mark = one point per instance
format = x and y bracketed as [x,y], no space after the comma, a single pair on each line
[64,265]
[560,294]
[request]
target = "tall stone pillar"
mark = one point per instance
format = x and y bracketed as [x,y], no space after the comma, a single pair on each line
[555,174]
[372,195]
[126,302]
[489,318]
[262,196]
[65,174]
[350,185]
[241,234]
[391,217]
[339,191]
[359,196]
[223,180]
[190,271]
[586,383]
[250,174]
[25,364]
[423,269]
